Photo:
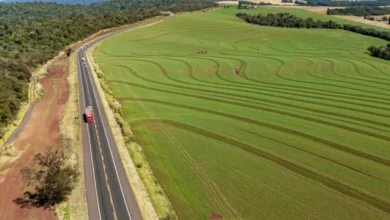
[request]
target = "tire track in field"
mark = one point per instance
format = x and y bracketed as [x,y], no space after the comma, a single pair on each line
[284,87]
[329,143]
[327,181]
[324,50]
[341,75]
[298,107]
[206,180]
[258,99]
[322,78]
[351,61]
[283,63]
[166,74]
[286,112]
[224,86]
[306,82]
[303,53]
[342,82]
[314,154]
[357,71]
[271,101]
[372,66]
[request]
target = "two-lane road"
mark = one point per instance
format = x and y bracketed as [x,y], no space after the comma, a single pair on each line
[109,195]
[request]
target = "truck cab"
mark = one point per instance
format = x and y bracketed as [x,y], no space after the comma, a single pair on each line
[88,116]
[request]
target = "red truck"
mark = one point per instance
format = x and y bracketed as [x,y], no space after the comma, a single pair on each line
[88,114]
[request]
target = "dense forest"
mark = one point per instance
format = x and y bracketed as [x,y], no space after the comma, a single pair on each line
[344,3]
[59,1]
[359,11]
[33,33]
[12,13]
[291,21]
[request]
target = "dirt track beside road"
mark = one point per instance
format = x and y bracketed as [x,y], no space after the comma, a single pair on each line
[39,135]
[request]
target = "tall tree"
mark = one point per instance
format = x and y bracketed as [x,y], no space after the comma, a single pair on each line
[52,179]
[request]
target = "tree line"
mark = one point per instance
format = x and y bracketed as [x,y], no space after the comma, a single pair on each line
[291,21]
[33,33]
[359,11]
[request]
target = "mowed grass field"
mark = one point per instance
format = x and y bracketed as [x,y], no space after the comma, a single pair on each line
[250,122]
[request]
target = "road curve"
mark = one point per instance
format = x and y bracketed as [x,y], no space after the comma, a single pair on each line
[109,194]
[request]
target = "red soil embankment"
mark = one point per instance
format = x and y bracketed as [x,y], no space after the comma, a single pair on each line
[40,135]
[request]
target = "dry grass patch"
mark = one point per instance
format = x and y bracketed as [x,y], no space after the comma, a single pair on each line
[275,2]
[14,125]
[8,153]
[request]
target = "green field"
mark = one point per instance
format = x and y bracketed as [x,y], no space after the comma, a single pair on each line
[251,122]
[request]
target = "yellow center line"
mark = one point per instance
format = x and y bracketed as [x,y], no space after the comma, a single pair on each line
[101,155]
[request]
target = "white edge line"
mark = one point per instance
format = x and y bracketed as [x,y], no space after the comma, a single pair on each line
[108,142]
[89,140]
[104,128]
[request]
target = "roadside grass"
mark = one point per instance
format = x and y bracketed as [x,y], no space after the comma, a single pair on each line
[19,117]
[39,94]
[241,121]
[70,133]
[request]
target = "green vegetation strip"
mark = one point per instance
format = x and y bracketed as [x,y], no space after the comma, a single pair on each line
[250,122]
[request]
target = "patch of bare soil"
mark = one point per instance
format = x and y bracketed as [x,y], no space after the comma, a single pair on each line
[275,2]
[228,2]
[365,21]
[215,216]
[39,135]
[322,10]
[317,9]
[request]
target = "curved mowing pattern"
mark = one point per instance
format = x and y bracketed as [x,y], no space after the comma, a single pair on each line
[249,122]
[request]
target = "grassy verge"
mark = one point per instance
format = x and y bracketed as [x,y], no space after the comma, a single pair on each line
[146,187]
[19,118]
[70,133]
[39,94]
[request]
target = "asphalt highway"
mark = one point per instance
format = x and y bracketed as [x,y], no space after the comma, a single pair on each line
[109,195]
